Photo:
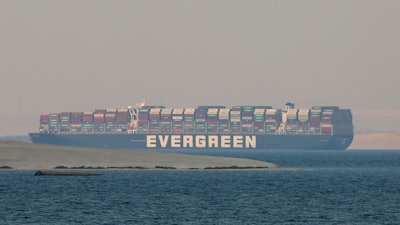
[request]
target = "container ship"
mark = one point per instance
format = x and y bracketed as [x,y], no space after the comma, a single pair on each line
[203,127]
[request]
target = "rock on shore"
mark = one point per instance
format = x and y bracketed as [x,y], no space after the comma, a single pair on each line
[28,156]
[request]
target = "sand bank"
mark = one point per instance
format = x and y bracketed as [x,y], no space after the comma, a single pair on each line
[28,156]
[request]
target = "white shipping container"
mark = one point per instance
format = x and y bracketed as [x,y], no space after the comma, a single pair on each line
[327,113]
[259,111]
[224,111]
[223,117]
[111,110]
[304,110]
[212,111]
[235,120]
[189,111]
[155,110]
[316,111]
[223,114]
[166,111]
[303,114]
[177,111]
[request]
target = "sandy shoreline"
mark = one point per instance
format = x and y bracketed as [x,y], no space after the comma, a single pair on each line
[28,156]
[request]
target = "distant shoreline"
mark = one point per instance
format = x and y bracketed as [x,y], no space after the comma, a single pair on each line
[377,141]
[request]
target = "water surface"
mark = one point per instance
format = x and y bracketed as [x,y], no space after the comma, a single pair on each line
[332,187]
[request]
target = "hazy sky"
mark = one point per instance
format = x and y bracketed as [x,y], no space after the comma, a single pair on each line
[83,55]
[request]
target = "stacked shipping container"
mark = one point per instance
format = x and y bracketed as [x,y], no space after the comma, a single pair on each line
[303,118]
[272,120]
[177,120]
[110,119]
[235,120]
[188,120]
[200,119]
[76,122]
[87,122]
[154,122]
[143,120]
[315,120]
[326,121]
[54,122]
[122,120]
[259,120]
[44,123]
[212,120]
[166,118]
[291,121]
[65,125]
[204,119]
[98,120]
[247,118]
[223,120]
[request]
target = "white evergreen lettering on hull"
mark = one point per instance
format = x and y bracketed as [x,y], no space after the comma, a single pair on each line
[201,141]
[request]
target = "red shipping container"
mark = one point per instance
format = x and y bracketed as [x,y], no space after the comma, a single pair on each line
[44,119]
[98,118]
[143,116]
[110,118]
[177,130]
[65,114]
[155,116]
[100,111]
[326,130]
[87,117]
[143,122]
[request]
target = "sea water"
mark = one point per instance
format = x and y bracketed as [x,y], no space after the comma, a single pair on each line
[324,187]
